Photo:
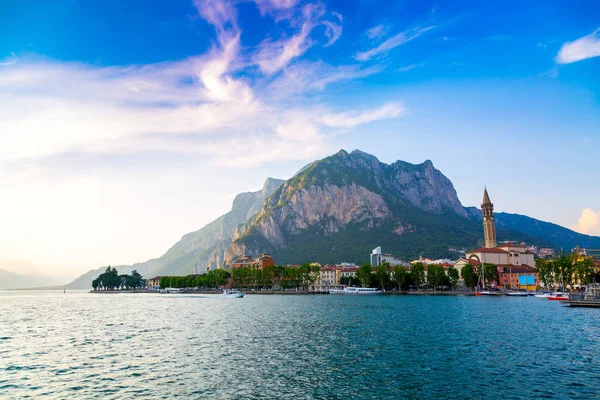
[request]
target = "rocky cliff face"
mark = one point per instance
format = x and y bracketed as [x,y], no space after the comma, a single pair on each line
[346,188]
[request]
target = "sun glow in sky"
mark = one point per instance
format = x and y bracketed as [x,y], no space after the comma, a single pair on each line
[124,125]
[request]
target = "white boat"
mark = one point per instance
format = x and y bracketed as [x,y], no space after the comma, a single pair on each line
[517,294]
[232,294]
[488,293]
[355,290]
[542,295]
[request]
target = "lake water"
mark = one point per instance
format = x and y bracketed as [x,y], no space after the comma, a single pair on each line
[81,345]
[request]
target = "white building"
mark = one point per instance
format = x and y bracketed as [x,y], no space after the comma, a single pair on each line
[377,257]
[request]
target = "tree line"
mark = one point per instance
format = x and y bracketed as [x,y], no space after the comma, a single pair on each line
[386,277]
[276,276]
[209,280]
[111,280]
[567,269]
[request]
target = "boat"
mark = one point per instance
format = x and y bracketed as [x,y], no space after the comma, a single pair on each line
[517,294]
[355,290]
[542,295]
[488,293]
[482,291]
[232,294]
[558,297]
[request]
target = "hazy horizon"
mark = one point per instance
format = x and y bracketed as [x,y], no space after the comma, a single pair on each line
[121,131]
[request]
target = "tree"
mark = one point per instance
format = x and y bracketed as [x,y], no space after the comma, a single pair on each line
[490,272]
[400,276]
[436,276]
[545,271]
[364,274]
[164,282]
[453,277]
[268,276]
[382,274]
[95,284]
[563,268]
[584,271]
[417,274]
[308,274]
[469,275]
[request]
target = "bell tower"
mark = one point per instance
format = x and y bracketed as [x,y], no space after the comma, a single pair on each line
[489,227]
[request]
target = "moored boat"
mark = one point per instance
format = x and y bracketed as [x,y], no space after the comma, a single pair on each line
[517,294]
[355,290]
[558,297]
[232,294]
[488,293]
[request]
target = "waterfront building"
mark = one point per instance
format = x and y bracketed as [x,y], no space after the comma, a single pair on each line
[265,260]
[345,272]
[328,276]
[154,283]
[377,257]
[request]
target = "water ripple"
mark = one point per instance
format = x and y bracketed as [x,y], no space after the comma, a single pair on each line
[295,347]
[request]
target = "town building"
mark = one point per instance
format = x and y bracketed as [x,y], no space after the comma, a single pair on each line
[377,257]
[265,260]
[154,283]
[328,276]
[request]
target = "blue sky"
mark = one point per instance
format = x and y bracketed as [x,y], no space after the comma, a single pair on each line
[124,126]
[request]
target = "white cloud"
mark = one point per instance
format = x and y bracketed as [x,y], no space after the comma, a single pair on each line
[409,67]
[333,32]
[276,55]
[580,49]
[588,223]
[395,41]
[315,76]
[214,109]
[351,119]
[376,31]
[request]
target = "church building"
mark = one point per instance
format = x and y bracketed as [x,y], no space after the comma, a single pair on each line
[513,260]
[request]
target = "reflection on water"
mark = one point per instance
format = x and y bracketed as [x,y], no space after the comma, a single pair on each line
[89,345]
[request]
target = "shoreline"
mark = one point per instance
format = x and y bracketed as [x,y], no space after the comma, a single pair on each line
[284,292]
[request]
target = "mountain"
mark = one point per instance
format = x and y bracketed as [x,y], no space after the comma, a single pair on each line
[341,207]
[556,235]
[11,280]
[199,250]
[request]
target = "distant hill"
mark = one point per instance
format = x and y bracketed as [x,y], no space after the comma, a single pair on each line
[11,280]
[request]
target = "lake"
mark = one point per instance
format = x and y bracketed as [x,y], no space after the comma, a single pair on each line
[82,345]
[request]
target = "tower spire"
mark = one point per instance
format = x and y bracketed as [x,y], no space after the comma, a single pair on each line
[489,226]
[486,196]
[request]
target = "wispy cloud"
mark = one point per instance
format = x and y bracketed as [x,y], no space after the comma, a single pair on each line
[409,67]
[352,119]
[307,76]
[206,105]
[376,31]
[9,60]
[395,41]
[580,49]
[273,56]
